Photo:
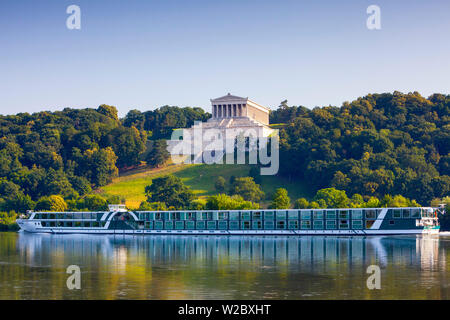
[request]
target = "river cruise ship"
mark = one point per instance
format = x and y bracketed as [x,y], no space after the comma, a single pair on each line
[119,220]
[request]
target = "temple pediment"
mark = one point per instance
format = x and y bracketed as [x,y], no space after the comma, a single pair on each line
[229,97]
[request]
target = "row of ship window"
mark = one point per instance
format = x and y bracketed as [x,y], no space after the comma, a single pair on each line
[224,225]
[245,215]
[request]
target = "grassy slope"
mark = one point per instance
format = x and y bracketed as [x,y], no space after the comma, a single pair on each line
[200,178]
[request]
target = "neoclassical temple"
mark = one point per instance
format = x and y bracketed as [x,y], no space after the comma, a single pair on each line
[230,106]
[232,116]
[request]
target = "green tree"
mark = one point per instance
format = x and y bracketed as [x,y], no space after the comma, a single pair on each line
[226,202]
[94,202]
[220,184]
[247,188]
[255,173]
[281,199]
[109,111]
[51,203]
[198,204]
[158,154]
[332,197]
[301,203]
[170,190]
[152,206]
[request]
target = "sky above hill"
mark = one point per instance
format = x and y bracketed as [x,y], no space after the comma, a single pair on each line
[142,54]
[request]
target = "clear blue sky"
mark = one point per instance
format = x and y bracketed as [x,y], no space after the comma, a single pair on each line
[143,54]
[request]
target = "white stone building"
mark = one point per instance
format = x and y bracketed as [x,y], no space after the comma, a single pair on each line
[233,118]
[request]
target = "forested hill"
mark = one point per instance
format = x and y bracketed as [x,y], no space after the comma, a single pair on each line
[69,152]
[376,145]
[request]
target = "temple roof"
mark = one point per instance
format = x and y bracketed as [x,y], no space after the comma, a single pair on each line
[228,97]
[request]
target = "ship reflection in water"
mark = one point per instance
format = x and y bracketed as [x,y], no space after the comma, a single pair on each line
[33,266]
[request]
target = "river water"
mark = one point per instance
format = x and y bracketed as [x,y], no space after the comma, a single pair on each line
[33,266]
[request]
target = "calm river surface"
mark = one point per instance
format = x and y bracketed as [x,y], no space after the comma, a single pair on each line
[33,266]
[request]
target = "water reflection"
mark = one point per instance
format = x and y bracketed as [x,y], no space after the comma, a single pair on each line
[214,267]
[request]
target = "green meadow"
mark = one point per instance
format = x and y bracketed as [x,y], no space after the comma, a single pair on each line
[200,178]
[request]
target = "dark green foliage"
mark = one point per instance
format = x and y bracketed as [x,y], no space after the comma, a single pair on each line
[225,202]
[51,203]
[162,121]
[280,199]
[255,173]
[169,190]
[378,144]
[220,184]
[247,189]
[94,202]
[158,154]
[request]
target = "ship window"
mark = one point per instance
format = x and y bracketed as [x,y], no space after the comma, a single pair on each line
[256,215]
[257,225]
[52,216]
[357,224]
[281,215]
[371,214]
[306,224]
[397,213]
[318,224]
[268,225]
[179,225]
[44,216]
[190,225]
[357,214]
[234,215]
[268,215]
[86,224]
[331,214]
[331,224]
[77,223]
[245,225]
[281,224]
[415,213]
[293,224]
[222,225]
[293,214]
[43,223]
[69,224]
[52,223]
[200,225]
[234,225]
[60,224]
[318,214]
[223,215]
[406,213]
[96,224]
[190,215]
[369,224]
[87,215]
[212,225]
[245,215]
[343,214]
[343,224]
[306,214]
[391,222]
